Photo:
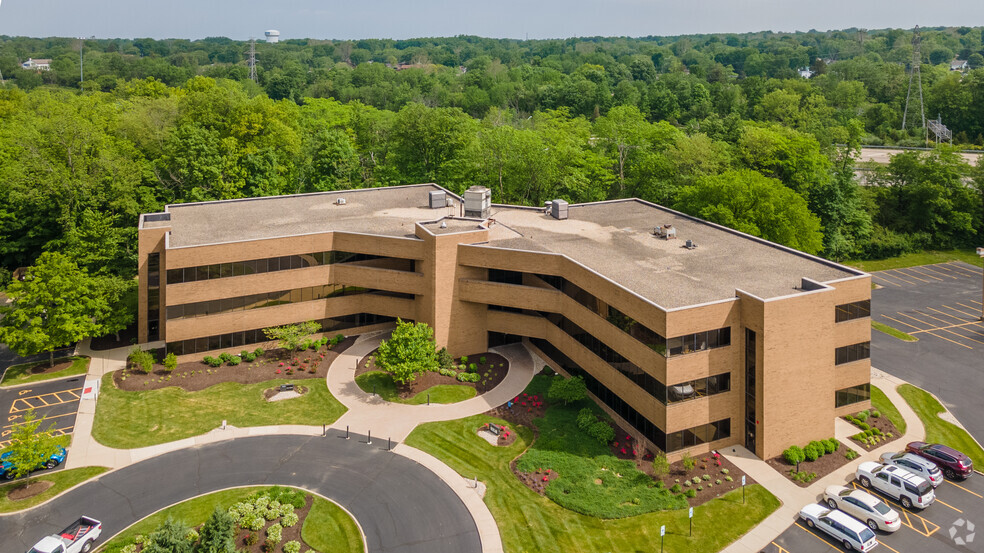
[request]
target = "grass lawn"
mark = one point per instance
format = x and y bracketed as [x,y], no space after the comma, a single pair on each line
[937,429]
[918,258]
[21,374]
[128,420]
[888,410]
[894,332]
[331,528]
[384,386]
[529,522]
[328,528]
[63,479]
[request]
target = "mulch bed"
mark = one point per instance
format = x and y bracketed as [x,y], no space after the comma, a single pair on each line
[536,481]
[196,375]
[506,435]
[881,423]
[495,365]
[524,410]
[41,367]
[822,466]
[30,490]
[270,392]
[128,337]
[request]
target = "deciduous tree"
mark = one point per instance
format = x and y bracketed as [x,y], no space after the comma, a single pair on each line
[29,449]
[409,352]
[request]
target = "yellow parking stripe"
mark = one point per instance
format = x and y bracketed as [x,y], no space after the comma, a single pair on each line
[972,323]
[940,329]
[948,505]
[963,271]
[932,268]
[19,403]
[807,530]
[919,329]
[885,281]
[973,316]
[916,270]
[945,314]
[888,546]
[897,277]
[780,548]
[892,277]
[905,515]
[912,276]
[964,489]
[42,419]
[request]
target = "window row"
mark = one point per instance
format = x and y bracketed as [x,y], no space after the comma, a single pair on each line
[236,339]
[272,264]
[269,299]
[699,388]
[853,352]
[853,310]
[854,394]
[698,341]
[697,435]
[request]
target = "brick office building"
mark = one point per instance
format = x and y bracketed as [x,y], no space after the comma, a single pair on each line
[694,335]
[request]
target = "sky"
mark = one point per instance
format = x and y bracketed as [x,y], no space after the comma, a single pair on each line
[354,19]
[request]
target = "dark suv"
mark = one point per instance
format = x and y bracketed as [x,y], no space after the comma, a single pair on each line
[953,463]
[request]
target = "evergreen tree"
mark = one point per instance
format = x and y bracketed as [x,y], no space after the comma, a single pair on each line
[217,534]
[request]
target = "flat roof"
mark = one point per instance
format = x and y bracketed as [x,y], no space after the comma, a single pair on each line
[389,211]
[614,238]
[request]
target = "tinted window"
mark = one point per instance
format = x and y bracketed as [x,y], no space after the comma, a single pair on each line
[866,535]
[923,488]
[882,508]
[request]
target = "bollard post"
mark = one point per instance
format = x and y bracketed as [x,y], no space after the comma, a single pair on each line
[389,444]
[428,399]
[475,485]
[373,388]
[324,430]
[369,441]
[346,432]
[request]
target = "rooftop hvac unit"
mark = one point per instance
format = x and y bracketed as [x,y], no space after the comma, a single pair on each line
[690,245]
[558,209]
[340,201]
[478,202]
[666,232]
[437,199]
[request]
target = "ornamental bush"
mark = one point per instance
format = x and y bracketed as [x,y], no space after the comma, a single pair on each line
[601,431]
[875,413]
[234,360]
[811,453]
[794,455]
[676,488]
[258,352]
[567,390]
[275,533]
[170,362]
[691,493]
[585,418]
[293,546]
[130,548]
[225,357]
[289,520]
[819,447]
[141,360]
[191,536]
[862,416]
[830,446]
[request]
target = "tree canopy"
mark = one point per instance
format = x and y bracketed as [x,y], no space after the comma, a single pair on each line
[409,352]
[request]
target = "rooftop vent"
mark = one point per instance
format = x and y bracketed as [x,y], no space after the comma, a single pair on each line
[437,199]
[444,224]
[340,201]
[690,245]
[558,209]
[666,232]
[478,201]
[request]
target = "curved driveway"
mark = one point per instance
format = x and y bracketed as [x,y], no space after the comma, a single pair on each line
[401,506]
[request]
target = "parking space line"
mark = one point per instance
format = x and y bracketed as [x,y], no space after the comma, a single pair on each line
[944,267]
[14,407]
[919,329]
[886,281]
[42,419]
[973,316]
[948,505]
[807,530]
[928,330]
[964,489]
[892,278]
[964,270]
[780,548]
[970,323]
[974,307]
[913,276]
[917,270]
[945,314]
[904,513]
[933,269]
[897,277]
[890,548]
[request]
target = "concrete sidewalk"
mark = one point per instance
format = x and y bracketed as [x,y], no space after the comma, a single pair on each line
[793,497]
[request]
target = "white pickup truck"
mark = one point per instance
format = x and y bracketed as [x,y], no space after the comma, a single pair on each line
[77,538]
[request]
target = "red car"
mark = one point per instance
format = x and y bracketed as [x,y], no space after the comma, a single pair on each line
[953,463]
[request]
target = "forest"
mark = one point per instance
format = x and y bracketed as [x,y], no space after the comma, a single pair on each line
[720,126]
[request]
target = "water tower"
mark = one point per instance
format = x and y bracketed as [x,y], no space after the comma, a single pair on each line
[272,36]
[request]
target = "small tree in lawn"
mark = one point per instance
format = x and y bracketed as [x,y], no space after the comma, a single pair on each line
[217,534]
[661,467]
[567,390]
[409,352]
[169,537]
[290,337]
[29,449]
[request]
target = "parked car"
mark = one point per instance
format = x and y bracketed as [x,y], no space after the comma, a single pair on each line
[848,531]
[953,463]
[864,507]
[52,462]
[77,538]
[916,465]
[898,483]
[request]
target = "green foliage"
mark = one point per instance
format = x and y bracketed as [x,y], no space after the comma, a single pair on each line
[169,537]
[601,431]
[28,448]
[409,352]
[141,360]
[688,462]
[794,455]
[810,452]
[217,534]
[851,454]
[567,390]
[290,337]
[585,418]
[234,360]
[293,546]
[444,360]
[212,361]
[170,362]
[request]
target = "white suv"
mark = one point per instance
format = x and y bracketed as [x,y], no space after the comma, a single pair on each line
[898,483]
[848,531]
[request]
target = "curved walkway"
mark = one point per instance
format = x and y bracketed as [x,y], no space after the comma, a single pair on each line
[368,481]
[369,413]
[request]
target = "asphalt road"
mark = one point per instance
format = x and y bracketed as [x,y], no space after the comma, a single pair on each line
[57,402]
[401,506]
[941,305]
[953,524]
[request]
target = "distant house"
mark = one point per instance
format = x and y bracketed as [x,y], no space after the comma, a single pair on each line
[805,72]
[37,65]
[959,65]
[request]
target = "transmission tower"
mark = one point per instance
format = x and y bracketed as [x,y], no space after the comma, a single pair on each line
[252,59]
[861,33]
[914,74]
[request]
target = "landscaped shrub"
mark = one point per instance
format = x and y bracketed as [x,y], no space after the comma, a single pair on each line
[810,452]
[472,367]
[601,431]
[248,356]
[141,360]
[275,533]
[676,488]
[250,539]
[234,360]
[464,359]
[448,372]
[728,479]
[293,546]
[585,418]
[191,536]
[268,546]
[794,455]
[705,477]
[830,446]
[688,462]
[686,483]
[468,377]
[139,538]
[691,493]
[851,455]
[481,359]
[821,449]
[567,390]
[661,466]
[444,360]
[170,362]
[696,480]
[336,339]
[225,357]
[129,548]
[212,361]
[862,416]
[289,520]
[258,352]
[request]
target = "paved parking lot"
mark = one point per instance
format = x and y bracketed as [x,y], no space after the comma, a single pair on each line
[941,306]
[949,525]
[57,402]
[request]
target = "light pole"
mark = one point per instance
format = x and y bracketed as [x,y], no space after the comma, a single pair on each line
[980,252]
